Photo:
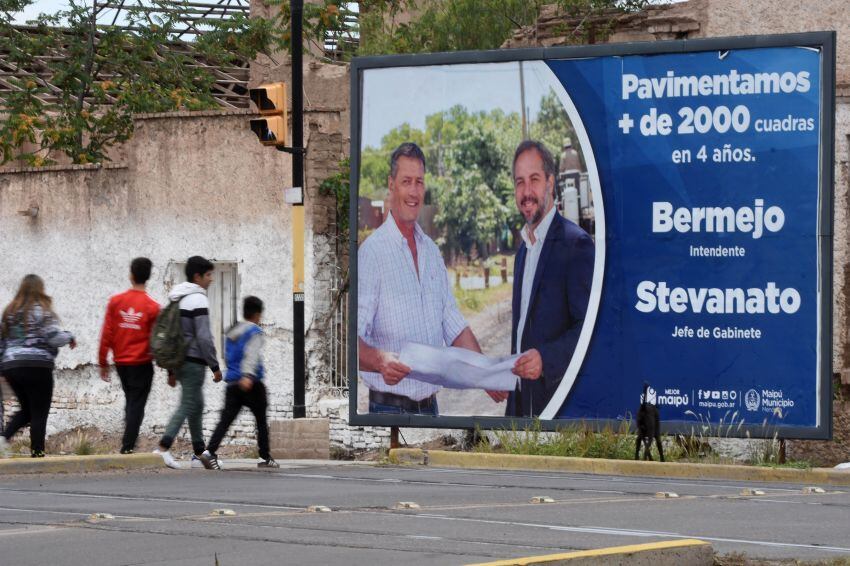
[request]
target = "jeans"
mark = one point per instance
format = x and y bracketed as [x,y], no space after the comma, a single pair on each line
[234,400]
[33,387]
[378,408]
[136,381]
[191,408]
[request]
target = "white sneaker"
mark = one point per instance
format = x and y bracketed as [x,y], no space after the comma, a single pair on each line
[196,462]
[4,447]
[168,458]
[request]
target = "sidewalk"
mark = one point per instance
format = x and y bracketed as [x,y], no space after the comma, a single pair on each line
[79,464]
[474,460]
[146,461]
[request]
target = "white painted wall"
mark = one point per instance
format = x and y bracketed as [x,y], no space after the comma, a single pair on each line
[191,186]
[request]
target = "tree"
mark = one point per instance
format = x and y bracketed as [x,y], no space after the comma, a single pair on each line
[553,125]
[76,85]
[449,25]
[456,25]
[469,213]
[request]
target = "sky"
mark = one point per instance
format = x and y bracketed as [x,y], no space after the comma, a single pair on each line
[40,6]
[394,96]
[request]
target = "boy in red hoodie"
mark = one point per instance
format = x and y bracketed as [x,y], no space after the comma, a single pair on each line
[130,317]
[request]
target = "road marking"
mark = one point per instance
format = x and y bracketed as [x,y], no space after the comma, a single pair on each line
[388,480]
[35,529]
[50,512]
[612,479]
[209,518]
[44,511]
[644,499]
[378,533]
[152,499]
[632,533]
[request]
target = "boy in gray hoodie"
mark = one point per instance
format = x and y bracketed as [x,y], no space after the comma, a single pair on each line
[200,355]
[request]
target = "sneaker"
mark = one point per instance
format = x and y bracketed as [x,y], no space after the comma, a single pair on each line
[4,447]
[168,458]
[270,463]
[209,460]
[127,451]
[37,453]
[196,462]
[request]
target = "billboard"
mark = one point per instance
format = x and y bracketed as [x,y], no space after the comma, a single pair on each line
[541,232]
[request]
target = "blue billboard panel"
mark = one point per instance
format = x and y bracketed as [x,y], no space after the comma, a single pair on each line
[709,167]
[538,238]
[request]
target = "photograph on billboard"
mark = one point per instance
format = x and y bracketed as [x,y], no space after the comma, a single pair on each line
[563,235]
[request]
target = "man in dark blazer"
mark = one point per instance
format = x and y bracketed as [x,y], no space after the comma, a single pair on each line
[553,270]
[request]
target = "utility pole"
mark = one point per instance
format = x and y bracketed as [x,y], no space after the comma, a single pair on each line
[299,409]
[522,103]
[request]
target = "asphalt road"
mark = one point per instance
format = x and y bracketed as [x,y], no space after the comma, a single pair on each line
[466,516]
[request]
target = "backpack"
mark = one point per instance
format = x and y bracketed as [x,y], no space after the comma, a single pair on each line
[167,344]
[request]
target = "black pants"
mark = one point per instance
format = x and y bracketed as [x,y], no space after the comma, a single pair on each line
[234,400]
[34,389]
[136,382]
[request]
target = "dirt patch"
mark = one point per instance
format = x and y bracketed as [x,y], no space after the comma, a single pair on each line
[737,559]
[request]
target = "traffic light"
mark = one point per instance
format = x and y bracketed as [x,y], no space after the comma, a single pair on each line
[270,100]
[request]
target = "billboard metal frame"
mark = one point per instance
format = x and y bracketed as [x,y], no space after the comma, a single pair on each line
[825,41]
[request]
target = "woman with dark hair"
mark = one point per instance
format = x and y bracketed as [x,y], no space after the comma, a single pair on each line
[30,338]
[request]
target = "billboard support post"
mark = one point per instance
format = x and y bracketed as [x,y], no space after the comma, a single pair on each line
[299,375]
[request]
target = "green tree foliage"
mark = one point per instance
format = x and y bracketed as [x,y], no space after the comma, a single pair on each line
[77,84]
[553,125]
[456,25]
[338,185]
[450,25]
[468,162]
[469,215]
[469,155]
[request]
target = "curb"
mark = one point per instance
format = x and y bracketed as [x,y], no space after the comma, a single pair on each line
[79,464]
[442,458]
[688,551]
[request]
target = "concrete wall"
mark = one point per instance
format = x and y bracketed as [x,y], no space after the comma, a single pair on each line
[191,183]
[750,17]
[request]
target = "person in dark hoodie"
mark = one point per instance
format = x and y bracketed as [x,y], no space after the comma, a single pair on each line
[200,355]
[30,339]
[244,377]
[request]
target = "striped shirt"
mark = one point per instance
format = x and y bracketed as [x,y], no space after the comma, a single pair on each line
[394,306]
[532,257]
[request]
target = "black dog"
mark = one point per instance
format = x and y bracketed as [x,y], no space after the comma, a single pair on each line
[648,427]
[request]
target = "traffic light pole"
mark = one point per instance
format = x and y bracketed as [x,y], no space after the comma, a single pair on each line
[299,409]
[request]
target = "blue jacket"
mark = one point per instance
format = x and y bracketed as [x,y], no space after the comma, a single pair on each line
[243,352]
[557,306]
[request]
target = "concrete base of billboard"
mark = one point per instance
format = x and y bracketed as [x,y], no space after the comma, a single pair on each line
[441,458]
[688,551]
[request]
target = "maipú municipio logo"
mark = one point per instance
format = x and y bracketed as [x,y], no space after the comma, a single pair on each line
[752,400]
